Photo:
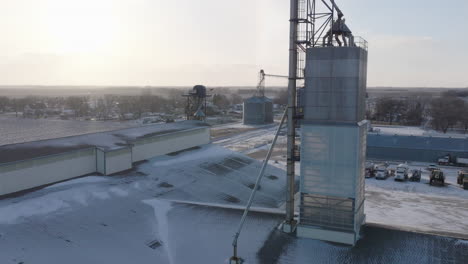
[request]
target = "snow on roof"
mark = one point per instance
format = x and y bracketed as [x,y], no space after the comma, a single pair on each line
[105,140]
[137,212]
[19,130]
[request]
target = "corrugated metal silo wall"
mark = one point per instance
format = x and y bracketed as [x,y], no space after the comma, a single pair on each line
[333,140]
[253,113]
[268,112]
[414,148]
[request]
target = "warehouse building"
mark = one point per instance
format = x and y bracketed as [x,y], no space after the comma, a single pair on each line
[414,148]
[33,164]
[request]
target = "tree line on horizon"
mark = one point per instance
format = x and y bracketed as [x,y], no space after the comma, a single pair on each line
[448,111]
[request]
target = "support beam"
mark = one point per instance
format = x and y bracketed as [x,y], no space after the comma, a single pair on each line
[293,25]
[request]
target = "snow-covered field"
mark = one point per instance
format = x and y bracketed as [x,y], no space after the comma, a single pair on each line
[414,131]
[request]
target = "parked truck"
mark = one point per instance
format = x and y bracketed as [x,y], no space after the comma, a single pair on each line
[402,172]
[382,172]
[437,177]
[370,170]
[415,175]
[445,160]
[462,162]
[462,179]
[452,161]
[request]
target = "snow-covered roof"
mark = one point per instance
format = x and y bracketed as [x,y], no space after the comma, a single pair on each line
[104,140]
[185,209]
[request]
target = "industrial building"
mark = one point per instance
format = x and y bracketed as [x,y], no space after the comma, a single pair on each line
[33,164]
[415,148]
[258,110]
[333,144]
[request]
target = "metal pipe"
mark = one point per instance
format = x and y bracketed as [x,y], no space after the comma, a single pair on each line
[276,75]
[290,170]
[340,14]
[254,191]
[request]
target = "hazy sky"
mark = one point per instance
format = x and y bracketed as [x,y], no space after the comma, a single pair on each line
[218,42]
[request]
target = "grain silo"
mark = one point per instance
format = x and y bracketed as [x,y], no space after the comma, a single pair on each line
[333,143]
[258,110]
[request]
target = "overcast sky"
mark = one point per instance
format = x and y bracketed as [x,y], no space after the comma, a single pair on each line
[218,42]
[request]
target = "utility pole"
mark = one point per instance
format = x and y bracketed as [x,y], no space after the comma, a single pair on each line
[288,225]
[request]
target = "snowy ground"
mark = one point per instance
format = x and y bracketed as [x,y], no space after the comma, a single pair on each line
[414,131]
[163,212]
[415,206]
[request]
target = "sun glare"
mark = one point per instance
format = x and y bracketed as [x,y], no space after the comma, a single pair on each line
[83,27]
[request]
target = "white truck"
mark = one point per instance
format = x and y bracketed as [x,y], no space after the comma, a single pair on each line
[382,172]
[445,160]
[462,162]
[402,172]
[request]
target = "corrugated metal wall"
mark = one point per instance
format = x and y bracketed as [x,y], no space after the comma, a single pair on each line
[159,145]
[257,111]
[22,175]
[414,148]
[333,144]
[118,160]
[27,174]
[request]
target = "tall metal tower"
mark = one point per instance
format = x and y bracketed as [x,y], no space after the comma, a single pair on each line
[195,108]
[333,130]
[313,23]
[333,64]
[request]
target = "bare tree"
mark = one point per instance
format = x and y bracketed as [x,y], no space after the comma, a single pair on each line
[4,102]
[221,101]
[236,99]
[281,97]
[415,108]
[464,117]
[79,104]
[389,109]
[446,112]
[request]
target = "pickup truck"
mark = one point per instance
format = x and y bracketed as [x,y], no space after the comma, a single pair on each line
[382,172]
[462,179]
[437,176]
[402,172]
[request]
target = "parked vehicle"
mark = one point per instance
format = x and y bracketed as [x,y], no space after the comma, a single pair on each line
[415,176]
[382,172]
[437,177]
[392,169]
[370,170]
[445,160]
[462,179]
[402,172]
[432,167]
[452,160]
[462,162]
